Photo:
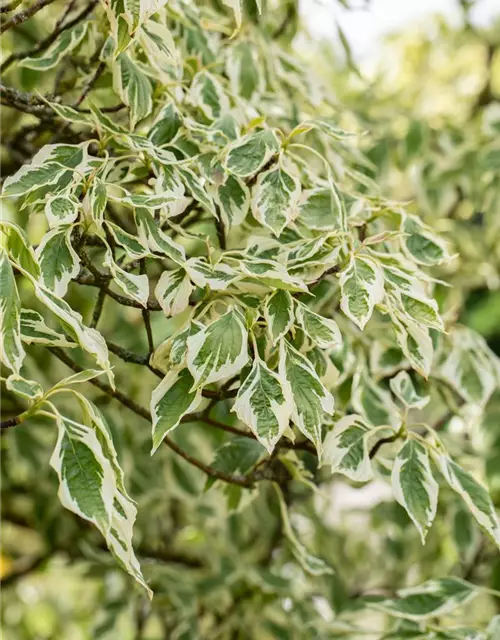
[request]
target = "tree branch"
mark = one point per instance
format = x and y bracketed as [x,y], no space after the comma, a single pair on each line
[242,481]
[44,44]
[22,16]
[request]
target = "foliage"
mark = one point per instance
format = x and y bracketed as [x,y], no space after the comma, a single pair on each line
[183,201]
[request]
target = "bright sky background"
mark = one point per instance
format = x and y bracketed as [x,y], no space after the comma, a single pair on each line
[364,27]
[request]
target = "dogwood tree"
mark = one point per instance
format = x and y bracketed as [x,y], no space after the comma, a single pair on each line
[213,306]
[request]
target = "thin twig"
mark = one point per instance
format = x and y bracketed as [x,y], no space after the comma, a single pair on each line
[145,316]
[99,305]
[44,44]
[22,16]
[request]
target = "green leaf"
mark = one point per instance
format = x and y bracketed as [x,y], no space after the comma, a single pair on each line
[263,405]
[133,286]
[208,95]
[64,44]
[431,599]
[219,350]
[346,448]
[233,198]
[279,314]
[324,332]
[29,389]
[320,209]
[403,388]
[172,399]
[414,486]
[11,349]
[473,493]
[328,126]
[173,291]
[35,331]
[251,153]
[362,285]
[310,564]
[59,262]
[275,198]
[246,78]
[133,87]
[311,401]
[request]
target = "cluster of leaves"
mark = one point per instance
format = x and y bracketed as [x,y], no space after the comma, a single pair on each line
[206,182]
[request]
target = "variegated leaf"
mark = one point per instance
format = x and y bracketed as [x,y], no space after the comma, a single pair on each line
[219,350]
[279,314]
[362,285]
[264,404]
[414,486]
[311,401]
[274,199]
[323,331]
[59,262]
[346,448]
[11,349]
[134,286]
[250,154]
[173,291]
[172,399]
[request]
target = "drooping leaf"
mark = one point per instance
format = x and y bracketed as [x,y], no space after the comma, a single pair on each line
[133,87]
[59,262]
[133,285]
[64,44]
[362,285]
[233,198]
[263,405]
[245,76]
[309,563]
[311,401]
[91,485]
[151,235]
[414,486]
[472,492]
[11,348]
[170,401]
